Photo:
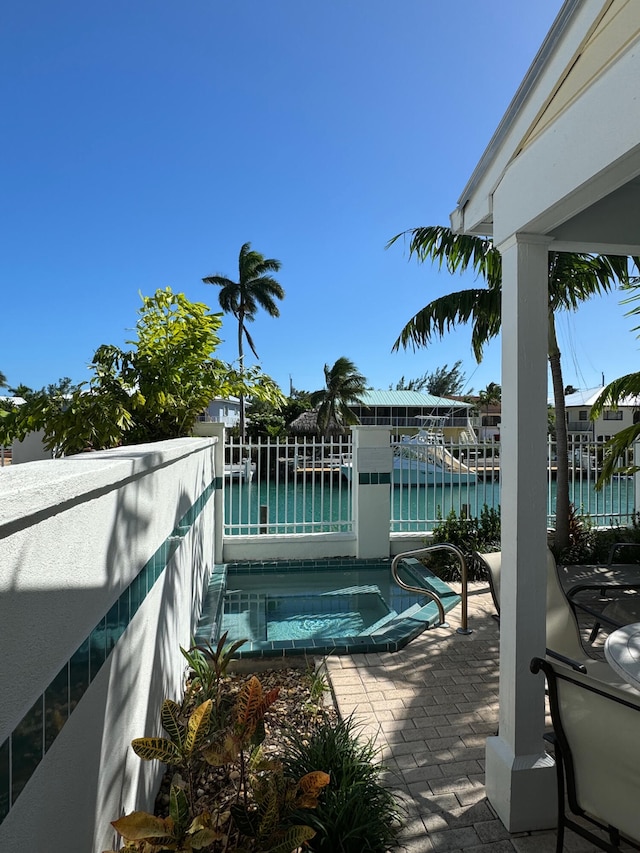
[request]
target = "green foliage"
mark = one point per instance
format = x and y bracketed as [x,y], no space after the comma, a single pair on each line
[208,673]
[344,385]
[271,819]
[266,420]
[590,544]
[442,382]
[150,834]
[446,381]
[152,392]
[356,813]
[318,684]
[184,737]
[270,807]
[254,289]
[469,534]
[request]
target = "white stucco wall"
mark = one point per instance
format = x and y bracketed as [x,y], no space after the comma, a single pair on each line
[74,533]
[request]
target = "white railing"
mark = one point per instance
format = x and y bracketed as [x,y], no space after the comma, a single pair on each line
[291,486]
[304,486]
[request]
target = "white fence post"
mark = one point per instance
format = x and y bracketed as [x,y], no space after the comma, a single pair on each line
[371,484]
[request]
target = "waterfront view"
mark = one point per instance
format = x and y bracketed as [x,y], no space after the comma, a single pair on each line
[285,499]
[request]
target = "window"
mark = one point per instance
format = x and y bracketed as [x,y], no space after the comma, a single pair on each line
[611,415]
[583,415]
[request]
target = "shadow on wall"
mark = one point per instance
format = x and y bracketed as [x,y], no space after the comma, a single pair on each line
[111,653]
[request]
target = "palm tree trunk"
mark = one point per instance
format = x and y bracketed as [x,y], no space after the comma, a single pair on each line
[241,367]
[561,538]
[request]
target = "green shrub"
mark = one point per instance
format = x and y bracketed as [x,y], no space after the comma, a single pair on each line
[589,544]
[355,814]
[469,534]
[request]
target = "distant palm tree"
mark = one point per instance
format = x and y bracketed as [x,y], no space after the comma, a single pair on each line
[3,380]
[573,278]
[254,289]
[490,396]
[612,395]
[345,385]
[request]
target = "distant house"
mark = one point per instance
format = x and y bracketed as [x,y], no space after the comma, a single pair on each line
[611,421]
[404,412]
[485,419]
[408,411]
[222,410]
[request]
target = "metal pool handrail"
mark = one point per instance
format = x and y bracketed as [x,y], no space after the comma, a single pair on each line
[420,552]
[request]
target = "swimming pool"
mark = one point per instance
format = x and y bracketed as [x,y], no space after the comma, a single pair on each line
[332,606]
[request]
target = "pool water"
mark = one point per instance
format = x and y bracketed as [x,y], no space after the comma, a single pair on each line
[319,606]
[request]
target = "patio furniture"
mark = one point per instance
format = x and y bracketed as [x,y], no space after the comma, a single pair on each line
[491,563]
[617,614]
[613,577]
[596,739]
[622,650]
[563,633]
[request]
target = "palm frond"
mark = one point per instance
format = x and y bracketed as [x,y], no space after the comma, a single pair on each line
[456,252]
[576,277]
[615,449]
[249,339]
[625,386]
[480,306]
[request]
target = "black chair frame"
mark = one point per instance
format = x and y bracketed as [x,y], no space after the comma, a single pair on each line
[565,771]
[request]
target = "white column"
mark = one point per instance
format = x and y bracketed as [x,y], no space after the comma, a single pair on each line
[520,777]
[371,484]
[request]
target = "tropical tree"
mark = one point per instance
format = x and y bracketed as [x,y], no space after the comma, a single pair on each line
[612,395]
[154,391]
[446,381]
[490,396]
[442,382]
[3,380]
[20,390]
[345,385]
[573,278]
[255,288]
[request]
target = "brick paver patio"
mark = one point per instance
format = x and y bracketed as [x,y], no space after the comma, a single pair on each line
[430,707]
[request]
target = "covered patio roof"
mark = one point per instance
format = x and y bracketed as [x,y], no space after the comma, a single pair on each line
[565,159]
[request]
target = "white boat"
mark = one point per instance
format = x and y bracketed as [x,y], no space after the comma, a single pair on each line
[424,460]
[240,470]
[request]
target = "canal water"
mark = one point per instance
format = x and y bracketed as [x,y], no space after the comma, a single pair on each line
[322,506]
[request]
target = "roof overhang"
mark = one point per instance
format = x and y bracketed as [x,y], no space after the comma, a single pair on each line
[570,172]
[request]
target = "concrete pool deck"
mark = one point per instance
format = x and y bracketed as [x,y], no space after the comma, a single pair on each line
[430,707]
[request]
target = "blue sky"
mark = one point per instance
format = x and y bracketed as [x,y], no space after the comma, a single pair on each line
[145,142]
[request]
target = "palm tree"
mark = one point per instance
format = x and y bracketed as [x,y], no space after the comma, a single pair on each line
[611,395]
[254,289]
[625,386]
[490,396]
[344,385]
[3,380]
[573,278]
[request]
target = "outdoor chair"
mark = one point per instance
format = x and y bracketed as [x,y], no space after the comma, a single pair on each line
[614,577]
[563,633]
[596,739]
